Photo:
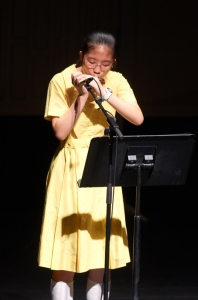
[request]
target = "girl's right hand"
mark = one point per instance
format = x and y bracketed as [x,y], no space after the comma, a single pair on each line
[77,77]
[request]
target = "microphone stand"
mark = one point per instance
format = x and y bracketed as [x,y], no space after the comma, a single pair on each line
[113,128]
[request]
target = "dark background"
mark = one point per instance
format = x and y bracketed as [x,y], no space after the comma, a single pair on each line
[157,50]
[158,55]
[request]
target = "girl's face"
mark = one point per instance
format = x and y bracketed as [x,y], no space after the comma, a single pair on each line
[98,61]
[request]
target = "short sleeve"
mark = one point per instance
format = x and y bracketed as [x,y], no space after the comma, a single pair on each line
[125,91]
[57,100]
[120,86]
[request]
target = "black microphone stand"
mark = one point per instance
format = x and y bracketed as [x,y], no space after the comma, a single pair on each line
[113,128]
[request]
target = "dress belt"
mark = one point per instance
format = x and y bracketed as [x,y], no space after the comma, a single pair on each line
[77,143]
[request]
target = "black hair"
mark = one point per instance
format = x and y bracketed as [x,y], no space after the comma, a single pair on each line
[98,38]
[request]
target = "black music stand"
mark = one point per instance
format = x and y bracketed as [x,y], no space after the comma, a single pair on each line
[147,160]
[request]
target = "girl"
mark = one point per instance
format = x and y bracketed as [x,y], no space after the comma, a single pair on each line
[73,230]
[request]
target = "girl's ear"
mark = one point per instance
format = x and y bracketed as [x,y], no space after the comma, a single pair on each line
[114,63]
[81,55]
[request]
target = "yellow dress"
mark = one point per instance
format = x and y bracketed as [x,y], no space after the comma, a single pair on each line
[74,221]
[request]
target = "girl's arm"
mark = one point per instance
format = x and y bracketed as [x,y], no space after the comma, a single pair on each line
[63,125]
[130,111]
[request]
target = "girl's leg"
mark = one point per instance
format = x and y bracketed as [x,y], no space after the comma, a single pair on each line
[95,284]
[62,285]
[64,276]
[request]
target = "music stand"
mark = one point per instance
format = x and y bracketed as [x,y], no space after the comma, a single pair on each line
[142,160]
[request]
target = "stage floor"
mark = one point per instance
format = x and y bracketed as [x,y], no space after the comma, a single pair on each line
[32,283]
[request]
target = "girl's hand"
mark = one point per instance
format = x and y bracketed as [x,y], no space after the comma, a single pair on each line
[77,77]
[95,84]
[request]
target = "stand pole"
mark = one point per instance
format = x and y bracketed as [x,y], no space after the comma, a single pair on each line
[108,219]
[113,128]
[136,240]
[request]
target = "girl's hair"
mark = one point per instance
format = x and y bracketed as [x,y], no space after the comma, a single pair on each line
[97,38]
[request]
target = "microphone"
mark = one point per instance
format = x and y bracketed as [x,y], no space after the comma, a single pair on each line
[86,81]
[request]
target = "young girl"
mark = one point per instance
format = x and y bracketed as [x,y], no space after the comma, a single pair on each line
[73,230]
